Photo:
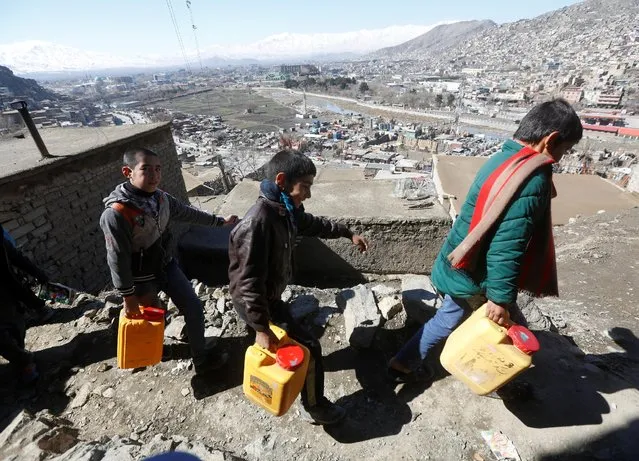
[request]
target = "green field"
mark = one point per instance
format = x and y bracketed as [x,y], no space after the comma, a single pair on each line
[266,115]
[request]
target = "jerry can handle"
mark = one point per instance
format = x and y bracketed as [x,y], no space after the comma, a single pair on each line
[152,314]
[280,334]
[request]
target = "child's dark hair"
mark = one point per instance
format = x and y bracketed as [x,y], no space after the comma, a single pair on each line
[130,157]
[293,164]
[556,115]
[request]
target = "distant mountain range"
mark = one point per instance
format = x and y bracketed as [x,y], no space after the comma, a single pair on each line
[45,57]
[436,40]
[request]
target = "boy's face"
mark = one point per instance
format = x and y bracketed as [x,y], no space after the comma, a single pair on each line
[146,174]
[301,189]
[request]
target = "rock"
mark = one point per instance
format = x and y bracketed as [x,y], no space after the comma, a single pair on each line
[22,427]
[323,317]
[260,447]
[200,450]
[108,393]
[361,316]
[200,289]
[382,290]
[113,298]
[572,221]
[287,295]
[303,305]
[601,211]
[221,305]
[213,332]
[81,397]
[398,322]
[171,307]
[91,313]
[103,367]
[82,452]
[390,306]
[59,440]
[158,444]
[419,297]
[176,328]
[526,312]
[218,293]
[185,391]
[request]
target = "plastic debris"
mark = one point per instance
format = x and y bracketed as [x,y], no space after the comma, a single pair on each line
[501,446]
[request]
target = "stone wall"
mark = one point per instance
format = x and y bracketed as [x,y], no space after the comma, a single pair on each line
[53,210]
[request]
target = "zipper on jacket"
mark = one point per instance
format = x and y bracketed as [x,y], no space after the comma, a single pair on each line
[141,257]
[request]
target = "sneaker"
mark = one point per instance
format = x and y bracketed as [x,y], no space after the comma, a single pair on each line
[324,413]
[212,362]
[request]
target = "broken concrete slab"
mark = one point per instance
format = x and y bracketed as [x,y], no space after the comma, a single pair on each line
[390,306]
[303,305]
[419,297]
[382,290]
[361,316]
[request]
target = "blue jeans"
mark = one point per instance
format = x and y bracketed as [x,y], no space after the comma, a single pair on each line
[179,289]
[448,316]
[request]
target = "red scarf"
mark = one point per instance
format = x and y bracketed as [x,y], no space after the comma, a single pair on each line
[538,273]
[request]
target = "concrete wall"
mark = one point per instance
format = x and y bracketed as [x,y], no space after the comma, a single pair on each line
[53,209]
[402,240]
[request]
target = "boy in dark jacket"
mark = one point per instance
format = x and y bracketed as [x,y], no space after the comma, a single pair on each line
[37,306]
[261,251]
[501,242]
[12,322]
[135,223]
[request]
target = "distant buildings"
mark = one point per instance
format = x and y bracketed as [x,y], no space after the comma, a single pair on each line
[299,70]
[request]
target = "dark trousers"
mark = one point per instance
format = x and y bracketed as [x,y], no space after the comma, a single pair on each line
[313,389]
[12,335]
[179,289]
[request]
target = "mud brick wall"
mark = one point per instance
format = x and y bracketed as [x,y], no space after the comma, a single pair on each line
[53,210]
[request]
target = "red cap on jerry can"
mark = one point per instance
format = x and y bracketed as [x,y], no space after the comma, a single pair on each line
[523,339]
[289,357]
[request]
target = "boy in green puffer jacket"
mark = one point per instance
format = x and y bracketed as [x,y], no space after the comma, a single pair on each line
[501,242]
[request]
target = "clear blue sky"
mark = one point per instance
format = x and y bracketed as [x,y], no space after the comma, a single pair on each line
[127,27]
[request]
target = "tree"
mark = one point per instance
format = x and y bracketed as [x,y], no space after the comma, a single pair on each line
[363,87]
[291,83]
[450,99]
[439,100]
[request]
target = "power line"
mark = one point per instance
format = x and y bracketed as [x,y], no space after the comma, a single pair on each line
[179,36]
[197,43]
[199,56]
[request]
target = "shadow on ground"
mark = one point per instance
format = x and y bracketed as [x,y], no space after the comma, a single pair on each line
[567,391]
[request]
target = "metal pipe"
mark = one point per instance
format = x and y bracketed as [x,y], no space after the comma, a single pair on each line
[21,106]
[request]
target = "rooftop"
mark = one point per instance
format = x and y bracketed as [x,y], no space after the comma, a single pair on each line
[340,199]
[576,194]
[19,155]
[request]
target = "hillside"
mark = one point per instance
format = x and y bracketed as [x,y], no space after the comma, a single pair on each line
[594,31]
[437,40]
[26,88]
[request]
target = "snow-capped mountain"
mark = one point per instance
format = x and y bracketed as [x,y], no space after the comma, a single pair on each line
[39,56]
[289,45]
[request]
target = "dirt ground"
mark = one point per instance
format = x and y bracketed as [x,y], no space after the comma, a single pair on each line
[585,379]
[265,115]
